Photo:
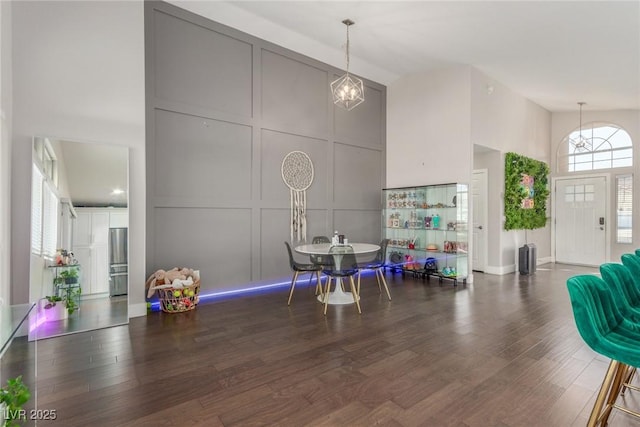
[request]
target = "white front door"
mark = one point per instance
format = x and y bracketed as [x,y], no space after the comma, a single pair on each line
[581,224]
[479,192]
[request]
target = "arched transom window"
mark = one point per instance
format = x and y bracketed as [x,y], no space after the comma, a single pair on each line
[598,146]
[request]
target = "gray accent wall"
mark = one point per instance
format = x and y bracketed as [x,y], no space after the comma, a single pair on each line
[223,109]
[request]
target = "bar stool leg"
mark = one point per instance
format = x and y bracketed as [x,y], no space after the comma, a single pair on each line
[602,394]
[618,379]
[627,381]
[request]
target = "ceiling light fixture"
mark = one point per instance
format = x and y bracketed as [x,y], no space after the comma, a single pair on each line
[582,144]
[348,91]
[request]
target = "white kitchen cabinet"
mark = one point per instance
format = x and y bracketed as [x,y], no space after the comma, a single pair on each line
[119,218]
[91,248]
[82,230]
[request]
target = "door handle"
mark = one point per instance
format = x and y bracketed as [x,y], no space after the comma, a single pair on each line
[479,227]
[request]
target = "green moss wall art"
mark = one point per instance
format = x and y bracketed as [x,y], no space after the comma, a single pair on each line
[525,192]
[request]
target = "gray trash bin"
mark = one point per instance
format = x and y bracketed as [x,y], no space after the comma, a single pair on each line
[527,259]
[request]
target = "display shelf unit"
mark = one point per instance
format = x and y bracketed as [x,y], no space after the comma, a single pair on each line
[66,289]
[427,227]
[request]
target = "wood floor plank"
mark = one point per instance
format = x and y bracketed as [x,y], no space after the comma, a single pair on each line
[501,352]
[568,406]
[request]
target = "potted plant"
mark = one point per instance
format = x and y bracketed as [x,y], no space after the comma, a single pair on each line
[12,396]
[71,298]
[70,275]
[59,307]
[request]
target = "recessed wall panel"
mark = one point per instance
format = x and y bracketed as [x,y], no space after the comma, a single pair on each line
[215,241]
[275,146]
[318,224]
[197,157]
[359,225]
[293,93]
[364,123]
[201,67]
[358,176]
[274,231]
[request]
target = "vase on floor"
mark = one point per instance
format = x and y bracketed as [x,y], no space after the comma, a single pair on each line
[55,311]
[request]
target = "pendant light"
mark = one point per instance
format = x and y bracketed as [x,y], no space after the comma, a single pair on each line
[348,91]
[582,144]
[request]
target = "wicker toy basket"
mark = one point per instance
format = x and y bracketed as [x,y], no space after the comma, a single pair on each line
[173,300]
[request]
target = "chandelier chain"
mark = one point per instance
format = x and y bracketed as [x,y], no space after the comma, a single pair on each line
[348,25]
[580,131]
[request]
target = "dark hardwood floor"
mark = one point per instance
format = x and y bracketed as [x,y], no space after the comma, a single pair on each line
[503,351]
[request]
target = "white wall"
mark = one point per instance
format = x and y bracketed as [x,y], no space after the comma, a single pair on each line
[78,75]
[504,120]
[629,120]
[428,133]
[5,153]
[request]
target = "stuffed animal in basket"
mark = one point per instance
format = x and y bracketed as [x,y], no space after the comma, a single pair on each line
[155,279]
[174,278]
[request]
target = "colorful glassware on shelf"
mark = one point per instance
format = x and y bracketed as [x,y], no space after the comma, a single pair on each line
[436,221]
[449,271]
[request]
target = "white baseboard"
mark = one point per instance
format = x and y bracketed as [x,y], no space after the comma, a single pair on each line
[545,260]
[94,296]
[137,310]
[500,271]
[507,269]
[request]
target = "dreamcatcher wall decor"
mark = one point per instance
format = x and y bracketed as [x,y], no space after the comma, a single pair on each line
[297,174]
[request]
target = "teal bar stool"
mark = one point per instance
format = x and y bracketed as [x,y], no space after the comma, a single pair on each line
[625,292]
[632,262]
[604,328]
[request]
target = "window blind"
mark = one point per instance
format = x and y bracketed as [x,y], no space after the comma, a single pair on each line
[44,215]
[624,209]
[50,230]
[36,211]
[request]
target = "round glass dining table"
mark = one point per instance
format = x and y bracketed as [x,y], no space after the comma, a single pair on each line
[338,296]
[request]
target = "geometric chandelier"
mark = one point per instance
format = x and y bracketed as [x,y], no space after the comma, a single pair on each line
[348,91]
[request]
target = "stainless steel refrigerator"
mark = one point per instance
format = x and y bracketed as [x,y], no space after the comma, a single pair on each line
[118,261]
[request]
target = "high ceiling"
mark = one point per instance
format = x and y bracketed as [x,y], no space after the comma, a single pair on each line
[555,53]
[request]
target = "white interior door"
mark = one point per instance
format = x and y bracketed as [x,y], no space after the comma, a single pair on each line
[479,194]
[581,223]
